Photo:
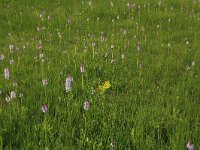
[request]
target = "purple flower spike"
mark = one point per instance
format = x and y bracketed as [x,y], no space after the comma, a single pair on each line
[6,73]
[44,108]
[86,105]
[69,80]
[190,146]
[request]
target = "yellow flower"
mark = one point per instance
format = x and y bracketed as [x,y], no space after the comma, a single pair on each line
[107,85]
[104,87]
[101,89]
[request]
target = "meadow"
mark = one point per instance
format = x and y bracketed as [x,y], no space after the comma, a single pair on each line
[120,74]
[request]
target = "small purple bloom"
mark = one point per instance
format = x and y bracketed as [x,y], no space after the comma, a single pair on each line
[12,94]
[44,108]
[69,80]
[190,146]
[86,105]
[39,47]
[11,61]
[6,73]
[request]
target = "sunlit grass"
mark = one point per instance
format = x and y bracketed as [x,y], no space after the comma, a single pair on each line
[99,74]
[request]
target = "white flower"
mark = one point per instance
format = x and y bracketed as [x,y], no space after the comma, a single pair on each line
[14,83]
[93,44]
[11,61]
[86,105]
[44,82]
[193,63]
[102,38]
[106,55]
[59,35]
[21,95]
[190,146]
[82,69]
[38,29]
[69,80]
[44,108]
[112,143]
[8,98]
[41,56]
[12,94]
[92,90]
[2,57]
[122,56]
[6,73]
[11,47]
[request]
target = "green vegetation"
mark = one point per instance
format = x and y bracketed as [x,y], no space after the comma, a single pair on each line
[132,70]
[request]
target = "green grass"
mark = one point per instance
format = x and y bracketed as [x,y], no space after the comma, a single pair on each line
[154,100]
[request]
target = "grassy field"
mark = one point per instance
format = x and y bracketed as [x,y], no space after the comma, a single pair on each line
[120,74]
